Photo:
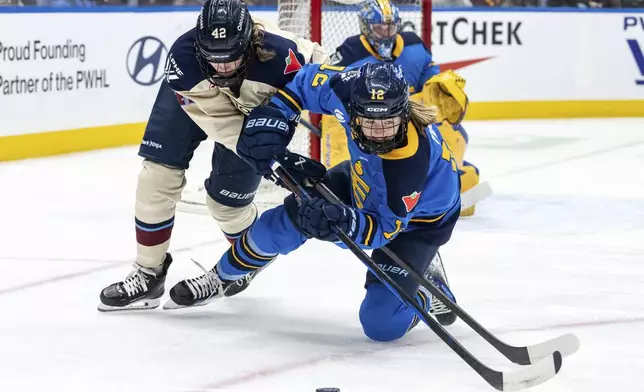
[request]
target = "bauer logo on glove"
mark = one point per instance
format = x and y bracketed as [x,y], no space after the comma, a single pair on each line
[265,135]
[268,123]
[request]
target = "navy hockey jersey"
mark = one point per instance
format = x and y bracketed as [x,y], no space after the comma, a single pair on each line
[220,111]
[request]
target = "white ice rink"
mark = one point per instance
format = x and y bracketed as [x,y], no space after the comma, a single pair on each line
[558,248]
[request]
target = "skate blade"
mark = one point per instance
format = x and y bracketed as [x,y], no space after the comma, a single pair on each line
[146,304]
[171,305]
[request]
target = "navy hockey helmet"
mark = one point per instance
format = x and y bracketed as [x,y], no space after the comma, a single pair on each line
[224,35]
[379,108]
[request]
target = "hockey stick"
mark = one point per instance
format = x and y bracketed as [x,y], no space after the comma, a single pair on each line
[566,344]
[503,381]
[469,198]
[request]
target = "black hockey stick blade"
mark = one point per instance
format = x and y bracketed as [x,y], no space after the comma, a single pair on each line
[565,344]
[502,381]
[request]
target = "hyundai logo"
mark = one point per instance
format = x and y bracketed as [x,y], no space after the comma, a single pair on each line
[145,60]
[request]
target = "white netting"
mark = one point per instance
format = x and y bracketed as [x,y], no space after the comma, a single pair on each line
[339,18]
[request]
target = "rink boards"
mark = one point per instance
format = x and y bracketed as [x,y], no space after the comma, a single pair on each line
[86,79]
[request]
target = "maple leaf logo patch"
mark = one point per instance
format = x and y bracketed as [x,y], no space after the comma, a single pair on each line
[292,63]
[411,201]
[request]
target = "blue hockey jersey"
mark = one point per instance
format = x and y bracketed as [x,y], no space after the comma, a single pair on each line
[409,52]
[412,186]
[415,186]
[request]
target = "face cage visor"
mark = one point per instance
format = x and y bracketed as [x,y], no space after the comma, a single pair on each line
[379,135]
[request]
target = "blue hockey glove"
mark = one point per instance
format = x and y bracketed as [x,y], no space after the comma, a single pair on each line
[266,134]
[316,216]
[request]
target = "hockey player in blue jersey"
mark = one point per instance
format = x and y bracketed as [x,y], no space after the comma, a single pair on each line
[381,40]
[400,185]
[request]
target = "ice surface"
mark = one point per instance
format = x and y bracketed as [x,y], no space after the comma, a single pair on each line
[558,248]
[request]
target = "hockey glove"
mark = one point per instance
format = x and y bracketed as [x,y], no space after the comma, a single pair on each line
[306,171]
[266,134]
[316,216]
[446,91]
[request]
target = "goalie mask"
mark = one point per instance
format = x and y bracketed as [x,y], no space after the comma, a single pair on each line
[379,108]
[223,42]
[380,24]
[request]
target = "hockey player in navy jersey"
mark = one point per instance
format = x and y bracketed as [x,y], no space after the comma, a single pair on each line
[216,73]
[381,40]
[401,189]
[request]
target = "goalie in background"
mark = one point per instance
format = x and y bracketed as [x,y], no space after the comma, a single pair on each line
[400,187]
[216,73]
[381,40]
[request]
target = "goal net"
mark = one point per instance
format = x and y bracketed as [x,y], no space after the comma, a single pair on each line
[331,22]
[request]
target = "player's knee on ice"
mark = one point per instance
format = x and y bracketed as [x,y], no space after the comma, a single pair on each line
[383,316]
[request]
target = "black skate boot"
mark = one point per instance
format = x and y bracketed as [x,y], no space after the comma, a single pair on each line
[142,289]
[240,285]
[203,289]
[436,274]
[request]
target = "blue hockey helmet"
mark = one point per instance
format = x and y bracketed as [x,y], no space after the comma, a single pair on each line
[380,24]
[379,108]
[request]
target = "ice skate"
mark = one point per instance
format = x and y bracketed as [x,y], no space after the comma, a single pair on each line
[141,289]
[204,289]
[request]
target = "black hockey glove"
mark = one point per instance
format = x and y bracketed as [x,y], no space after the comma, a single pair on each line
[316,216]
[305,171]
[266,134]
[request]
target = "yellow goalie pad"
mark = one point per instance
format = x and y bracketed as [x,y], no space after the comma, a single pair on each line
[457,139]
[333,142]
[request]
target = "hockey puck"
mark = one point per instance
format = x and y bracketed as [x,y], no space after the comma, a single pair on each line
[327,390]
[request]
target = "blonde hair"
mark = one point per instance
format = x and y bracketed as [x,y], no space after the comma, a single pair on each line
[422,116]
[257,41]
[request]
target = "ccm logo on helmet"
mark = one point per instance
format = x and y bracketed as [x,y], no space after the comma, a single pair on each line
[268,123]
[377,110]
